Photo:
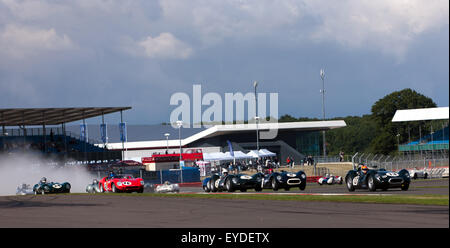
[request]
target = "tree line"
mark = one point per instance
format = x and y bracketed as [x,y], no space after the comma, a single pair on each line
[375,132]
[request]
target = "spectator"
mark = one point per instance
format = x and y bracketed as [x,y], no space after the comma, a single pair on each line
[341,156]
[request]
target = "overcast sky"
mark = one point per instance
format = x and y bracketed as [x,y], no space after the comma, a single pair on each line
[138,53]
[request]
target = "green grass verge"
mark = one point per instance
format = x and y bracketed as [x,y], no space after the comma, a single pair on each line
[440,200]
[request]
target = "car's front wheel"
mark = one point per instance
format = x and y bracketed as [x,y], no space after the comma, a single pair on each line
[405,186]
[113,188]
[302,186]
[205,188]
[371,184]
[274,184]
[212,182]
[229,186]
[349,181]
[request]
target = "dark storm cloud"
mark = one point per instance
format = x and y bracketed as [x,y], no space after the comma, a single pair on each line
[138,53]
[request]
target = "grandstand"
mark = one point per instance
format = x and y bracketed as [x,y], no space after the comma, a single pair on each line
[438,140]
[21,133]
[435,140]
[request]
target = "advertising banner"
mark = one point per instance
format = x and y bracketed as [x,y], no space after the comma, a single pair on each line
[104,133]
[83,132]
[123,131]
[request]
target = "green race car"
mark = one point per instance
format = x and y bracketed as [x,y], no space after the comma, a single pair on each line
[44,187]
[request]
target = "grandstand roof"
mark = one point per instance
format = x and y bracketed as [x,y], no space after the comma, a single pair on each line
[228,129]
[51,116]
[423,114]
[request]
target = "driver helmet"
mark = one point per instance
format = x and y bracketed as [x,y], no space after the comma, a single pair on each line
[364,168]
[225,172]
[95,181]
[43,180]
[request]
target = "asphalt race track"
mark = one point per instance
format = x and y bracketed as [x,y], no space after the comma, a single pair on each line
[109,210]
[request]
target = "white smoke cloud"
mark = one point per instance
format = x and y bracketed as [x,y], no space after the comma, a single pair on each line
[30,168]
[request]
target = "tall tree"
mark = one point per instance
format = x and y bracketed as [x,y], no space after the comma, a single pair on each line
[382,113]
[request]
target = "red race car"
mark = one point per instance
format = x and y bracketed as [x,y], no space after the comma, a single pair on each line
[121,183]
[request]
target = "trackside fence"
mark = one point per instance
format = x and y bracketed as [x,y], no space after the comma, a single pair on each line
[436,163]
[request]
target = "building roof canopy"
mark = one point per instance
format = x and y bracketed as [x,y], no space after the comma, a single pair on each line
[51,116]
[423,114]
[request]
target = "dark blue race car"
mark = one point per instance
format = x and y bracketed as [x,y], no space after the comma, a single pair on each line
[231,182]
[282,180]
[373,179]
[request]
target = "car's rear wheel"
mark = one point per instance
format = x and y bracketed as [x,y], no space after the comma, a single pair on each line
[349,181]
[415,176]
[426,175]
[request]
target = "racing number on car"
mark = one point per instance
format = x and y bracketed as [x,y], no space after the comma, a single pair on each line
[355,180]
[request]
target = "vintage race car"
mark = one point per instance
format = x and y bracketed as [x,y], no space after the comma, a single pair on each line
[282,180]
[167,187]
[231,182]
[94,187]
[375,179]
[418,173]
[121,183]
[44,187]
[330,179]
[24,189]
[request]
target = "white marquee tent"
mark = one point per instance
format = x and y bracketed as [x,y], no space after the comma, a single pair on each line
[216,156]
[267,153]
[239,155]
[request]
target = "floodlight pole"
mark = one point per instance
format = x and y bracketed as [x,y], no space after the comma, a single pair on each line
[180,124]
[255,84]
[322,75]
[167,141]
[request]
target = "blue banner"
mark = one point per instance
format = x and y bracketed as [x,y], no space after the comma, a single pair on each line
[83,132]
[123,131]
[104,133]
[231,148]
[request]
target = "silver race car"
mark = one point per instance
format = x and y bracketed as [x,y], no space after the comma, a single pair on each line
[167,187]
[93,187]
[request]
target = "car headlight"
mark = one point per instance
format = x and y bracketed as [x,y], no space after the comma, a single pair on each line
[303,176]
[407,174]
[119,184]
[383,176]
[142,183]
[235,180]
[378,177]
[279,178]
[246,177]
